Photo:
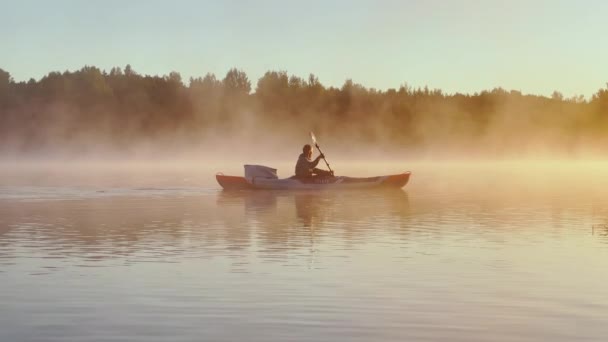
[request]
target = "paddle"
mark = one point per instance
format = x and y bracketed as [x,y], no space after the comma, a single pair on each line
[314,140]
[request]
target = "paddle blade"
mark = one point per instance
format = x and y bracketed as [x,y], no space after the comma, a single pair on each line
[314,139]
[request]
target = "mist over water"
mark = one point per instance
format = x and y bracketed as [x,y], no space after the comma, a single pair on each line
[121,114]
[113,227]
[468,251]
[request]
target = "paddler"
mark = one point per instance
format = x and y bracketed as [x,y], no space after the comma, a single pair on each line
[307,168]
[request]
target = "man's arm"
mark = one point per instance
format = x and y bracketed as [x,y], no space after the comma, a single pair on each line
[315,162]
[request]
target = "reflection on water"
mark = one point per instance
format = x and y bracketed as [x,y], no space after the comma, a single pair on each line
[601,230]
[449,258]
[232,219]
[318,207]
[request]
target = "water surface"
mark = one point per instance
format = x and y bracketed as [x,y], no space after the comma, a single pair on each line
[503,252]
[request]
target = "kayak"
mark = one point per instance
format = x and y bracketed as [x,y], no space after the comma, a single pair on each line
[317,183]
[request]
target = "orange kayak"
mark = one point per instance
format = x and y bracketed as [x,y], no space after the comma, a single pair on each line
[292,183]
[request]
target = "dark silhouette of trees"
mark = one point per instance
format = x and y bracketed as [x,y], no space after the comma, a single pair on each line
[91,109]
[5,81]
[237,82]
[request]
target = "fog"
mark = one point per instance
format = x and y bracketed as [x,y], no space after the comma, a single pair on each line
[120,115]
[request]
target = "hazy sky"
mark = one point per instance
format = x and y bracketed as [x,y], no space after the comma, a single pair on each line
[464,46]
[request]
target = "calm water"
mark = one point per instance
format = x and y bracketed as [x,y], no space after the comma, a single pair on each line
[502,252]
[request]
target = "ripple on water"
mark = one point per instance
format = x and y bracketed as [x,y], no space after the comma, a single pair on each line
[444,260]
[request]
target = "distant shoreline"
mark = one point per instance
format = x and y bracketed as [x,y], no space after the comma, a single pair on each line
[92,112]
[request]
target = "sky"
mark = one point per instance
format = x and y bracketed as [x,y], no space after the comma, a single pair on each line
[461,46]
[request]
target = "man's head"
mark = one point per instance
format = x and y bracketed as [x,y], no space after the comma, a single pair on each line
[307,149]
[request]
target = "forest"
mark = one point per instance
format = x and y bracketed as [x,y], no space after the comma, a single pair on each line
[94,111]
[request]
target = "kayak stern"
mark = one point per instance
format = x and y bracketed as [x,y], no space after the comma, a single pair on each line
[233,182]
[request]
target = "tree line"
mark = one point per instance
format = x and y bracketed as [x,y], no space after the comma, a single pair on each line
[92,109]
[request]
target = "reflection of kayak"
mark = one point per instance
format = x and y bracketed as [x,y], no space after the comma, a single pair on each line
[339,182]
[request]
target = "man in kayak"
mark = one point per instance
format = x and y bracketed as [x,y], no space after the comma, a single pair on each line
[307,168]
